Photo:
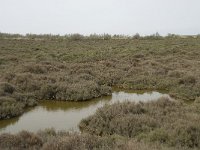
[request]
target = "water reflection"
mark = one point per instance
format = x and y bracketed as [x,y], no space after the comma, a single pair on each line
[135,97]
[55,105]
[66,115]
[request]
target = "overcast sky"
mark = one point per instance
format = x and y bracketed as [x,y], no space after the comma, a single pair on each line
[100,16]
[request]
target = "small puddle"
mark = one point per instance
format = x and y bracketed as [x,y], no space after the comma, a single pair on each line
[67,115]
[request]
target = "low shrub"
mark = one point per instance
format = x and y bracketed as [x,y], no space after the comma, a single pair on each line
[164,122]
[65,140]
[36,69]
[23,140]
[9,107]
[188,80]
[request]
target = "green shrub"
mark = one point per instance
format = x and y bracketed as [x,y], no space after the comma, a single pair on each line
[76,37]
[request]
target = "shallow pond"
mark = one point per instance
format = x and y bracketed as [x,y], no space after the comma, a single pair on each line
[66,115]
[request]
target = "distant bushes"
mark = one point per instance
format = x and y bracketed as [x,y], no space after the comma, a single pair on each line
[7,35]
[137,36]
[77,36]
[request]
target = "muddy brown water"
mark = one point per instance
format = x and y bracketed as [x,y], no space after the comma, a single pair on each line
[67,115]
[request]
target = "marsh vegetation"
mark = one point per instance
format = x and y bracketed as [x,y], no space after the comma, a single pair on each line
[78,68]
[62,115]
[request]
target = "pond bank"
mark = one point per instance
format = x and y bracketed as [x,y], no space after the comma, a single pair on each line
[63,115]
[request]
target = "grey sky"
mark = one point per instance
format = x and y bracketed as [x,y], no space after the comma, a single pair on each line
[100,16]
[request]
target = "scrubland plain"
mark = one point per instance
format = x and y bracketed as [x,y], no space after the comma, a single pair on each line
[78,68]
